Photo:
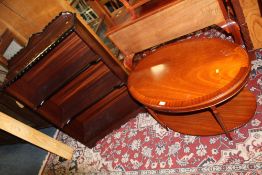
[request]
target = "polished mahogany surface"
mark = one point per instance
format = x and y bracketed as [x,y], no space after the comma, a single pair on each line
[72,77]
[190,75]
[234,113]
[96,121]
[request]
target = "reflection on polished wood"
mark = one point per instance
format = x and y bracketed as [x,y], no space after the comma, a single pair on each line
[190,75]
[190,86]
[234,113]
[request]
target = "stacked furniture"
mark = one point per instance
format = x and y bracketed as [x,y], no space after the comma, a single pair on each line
[195,86]
[70,78]
[67,75]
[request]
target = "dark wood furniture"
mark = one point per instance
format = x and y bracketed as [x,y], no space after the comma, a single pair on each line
[9,105]
[69,77]
[195,86]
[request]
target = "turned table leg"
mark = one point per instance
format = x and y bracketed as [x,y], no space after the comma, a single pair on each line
[220,122]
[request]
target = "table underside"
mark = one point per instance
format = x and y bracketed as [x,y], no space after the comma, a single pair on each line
[234,113]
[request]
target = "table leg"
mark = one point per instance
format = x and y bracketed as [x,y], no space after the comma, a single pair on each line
[220,122]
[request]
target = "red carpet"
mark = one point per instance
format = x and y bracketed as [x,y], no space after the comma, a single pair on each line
[142,146]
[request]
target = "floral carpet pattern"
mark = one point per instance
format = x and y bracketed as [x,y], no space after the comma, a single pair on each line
[142,146]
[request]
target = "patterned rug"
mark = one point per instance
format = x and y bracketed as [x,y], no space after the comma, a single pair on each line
[142,146]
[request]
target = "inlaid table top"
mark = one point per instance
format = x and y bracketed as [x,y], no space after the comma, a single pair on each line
[190,75]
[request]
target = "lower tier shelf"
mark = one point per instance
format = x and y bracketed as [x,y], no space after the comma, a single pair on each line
[234,113]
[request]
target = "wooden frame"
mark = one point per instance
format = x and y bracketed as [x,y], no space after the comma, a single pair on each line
[133,5]
[248,14]
[224,22]
[34,136]
[145,31]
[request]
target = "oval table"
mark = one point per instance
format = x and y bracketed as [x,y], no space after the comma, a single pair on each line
[195,86]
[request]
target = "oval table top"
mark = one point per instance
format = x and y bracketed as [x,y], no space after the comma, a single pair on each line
[190,75]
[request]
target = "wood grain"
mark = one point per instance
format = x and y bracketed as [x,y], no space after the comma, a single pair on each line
[25,17]
[250,20]
[61,64]
[78,74]
[190,75]
[106,115]
[3,62]
[234,113]
[253,20]
[175,19]
[132,5]
[33,136]
[9,106]
[82,92]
